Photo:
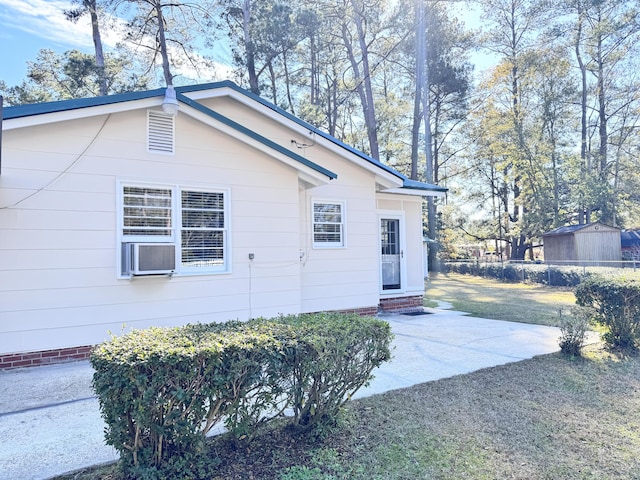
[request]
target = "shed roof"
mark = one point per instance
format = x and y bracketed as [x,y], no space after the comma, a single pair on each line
[22,111]
[570,229]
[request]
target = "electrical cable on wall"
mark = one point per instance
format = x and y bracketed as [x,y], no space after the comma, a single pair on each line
[72,164]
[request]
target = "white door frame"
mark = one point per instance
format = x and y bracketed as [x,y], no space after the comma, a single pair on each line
[399,216]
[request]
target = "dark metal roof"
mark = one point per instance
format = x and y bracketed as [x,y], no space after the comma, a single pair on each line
[572,229]
[21,111]
[630,239]
[565,230]
[407,183]
[254,135]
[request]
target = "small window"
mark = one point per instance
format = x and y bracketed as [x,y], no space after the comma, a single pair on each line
[328,224]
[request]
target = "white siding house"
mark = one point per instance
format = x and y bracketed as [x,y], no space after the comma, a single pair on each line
[116,215]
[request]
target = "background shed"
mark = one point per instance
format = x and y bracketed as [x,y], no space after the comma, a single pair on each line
[591,243]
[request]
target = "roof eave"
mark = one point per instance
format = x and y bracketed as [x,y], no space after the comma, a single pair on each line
[438,193]
[310,172]
[59,113]
[388,176]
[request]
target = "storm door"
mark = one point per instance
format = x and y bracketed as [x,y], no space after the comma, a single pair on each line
[391,253]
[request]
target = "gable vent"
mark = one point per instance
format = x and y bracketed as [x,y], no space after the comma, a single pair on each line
[161,132]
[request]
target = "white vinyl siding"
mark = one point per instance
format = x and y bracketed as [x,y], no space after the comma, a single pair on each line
[328,224]
[151,214]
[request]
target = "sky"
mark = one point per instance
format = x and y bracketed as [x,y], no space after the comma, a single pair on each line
[27,26]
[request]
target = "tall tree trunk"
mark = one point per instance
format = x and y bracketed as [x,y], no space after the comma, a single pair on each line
[417,102]
[363,78]
[428,141]
[92,8]
[168,77]
[583,209]
[249,48]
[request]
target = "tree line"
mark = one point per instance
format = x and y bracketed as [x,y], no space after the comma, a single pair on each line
[545,136]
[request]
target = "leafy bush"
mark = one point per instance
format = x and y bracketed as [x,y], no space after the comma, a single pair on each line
[616,305]
[573,328]
[161,390]
[335,356]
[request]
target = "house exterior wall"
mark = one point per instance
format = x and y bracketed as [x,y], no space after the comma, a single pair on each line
[411,209]
[60,205]
[340,278]
[58,200]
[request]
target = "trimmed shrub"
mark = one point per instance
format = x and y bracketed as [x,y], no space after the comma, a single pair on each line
[573,328]
[161,390]
[334,357]
[518,272]
[616,306]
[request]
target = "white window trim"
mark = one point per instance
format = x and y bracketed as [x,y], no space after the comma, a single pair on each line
[343,212]
[176,222]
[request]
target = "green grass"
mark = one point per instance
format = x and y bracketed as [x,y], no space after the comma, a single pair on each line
[517,302]
[551,417]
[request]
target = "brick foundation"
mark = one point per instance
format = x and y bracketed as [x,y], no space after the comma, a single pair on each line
[45,357]
[402,304]
[48,357]
[364,311]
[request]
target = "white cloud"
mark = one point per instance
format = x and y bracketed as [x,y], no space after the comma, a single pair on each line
[45,19]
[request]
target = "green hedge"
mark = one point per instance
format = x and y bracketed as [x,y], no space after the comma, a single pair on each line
[161,390]
[535,273]
[615,303]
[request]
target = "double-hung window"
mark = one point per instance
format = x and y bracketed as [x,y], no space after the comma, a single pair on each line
[194,220]
[328,224]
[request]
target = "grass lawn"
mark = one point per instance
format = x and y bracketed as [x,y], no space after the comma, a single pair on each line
[550,417]
[486,298]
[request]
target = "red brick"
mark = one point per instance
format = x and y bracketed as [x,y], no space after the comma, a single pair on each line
[10,358]
[22,363]
[50,353]
[68,351]
[30,356]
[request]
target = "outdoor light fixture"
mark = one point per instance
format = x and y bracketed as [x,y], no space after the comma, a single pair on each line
[170,104]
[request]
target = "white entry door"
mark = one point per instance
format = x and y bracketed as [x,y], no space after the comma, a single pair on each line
[392,253]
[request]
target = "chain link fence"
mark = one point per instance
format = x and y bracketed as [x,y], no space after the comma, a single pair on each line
[565,274]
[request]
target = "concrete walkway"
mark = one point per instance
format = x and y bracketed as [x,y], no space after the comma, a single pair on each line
[50,422]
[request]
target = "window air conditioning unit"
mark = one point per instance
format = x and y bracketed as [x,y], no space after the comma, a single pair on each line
[149,258]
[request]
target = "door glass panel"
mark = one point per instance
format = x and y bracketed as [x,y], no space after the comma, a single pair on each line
[390,246]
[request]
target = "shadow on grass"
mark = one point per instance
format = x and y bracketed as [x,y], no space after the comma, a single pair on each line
[487,298]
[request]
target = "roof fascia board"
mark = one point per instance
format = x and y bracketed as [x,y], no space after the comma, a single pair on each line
[311,172]
[385,175]
[416,192]
[77,113]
